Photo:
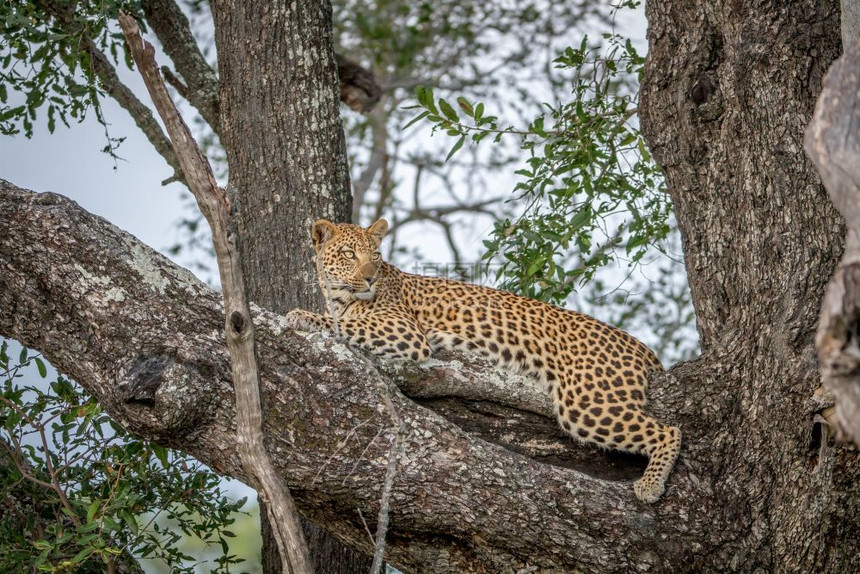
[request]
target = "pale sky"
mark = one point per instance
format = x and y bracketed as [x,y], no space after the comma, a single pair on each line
[69,162]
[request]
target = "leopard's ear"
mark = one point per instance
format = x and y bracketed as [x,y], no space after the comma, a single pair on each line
[321,231]
[378,230]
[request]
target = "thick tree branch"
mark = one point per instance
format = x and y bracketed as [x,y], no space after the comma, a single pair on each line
[358,87]
[146,338]
[833,144]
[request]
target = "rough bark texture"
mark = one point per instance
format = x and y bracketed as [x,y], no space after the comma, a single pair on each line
[728,90]
[281,129]
[282,133]
[145,337]
[833,143]
[171,26]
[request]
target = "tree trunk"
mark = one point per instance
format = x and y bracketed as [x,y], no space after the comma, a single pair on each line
[274,133]
[284,140]
[833,143]
[728,91]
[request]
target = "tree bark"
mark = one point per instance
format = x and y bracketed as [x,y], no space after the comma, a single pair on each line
[284,140]
[728,90]
[833,143]
[287,156]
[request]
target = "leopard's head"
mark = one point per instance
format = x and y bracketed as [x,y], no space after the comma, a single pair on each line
[348,258]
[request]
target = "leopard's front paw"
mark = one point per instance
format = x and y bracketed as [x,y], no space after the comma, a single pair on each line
[301,320]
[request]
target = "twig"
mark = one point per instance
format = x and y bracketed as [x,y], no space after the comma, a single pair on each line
[340,447]
[49,467]
[239,328]
[390,473]
[366,527]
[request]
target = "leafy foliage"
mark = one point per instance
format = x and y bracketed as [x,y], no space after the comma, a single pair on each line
[48,57]
[482,50]
[588,174]
[83,495]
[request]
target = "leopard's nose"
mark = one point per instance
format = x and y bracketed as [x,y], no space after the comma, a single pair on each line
[371,280]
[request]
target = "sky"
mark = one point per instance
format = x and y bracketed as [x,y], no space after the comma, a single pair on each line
[127,193]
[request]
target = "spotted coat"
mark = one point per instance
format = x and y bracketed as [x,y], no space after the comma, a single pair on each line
[597,374]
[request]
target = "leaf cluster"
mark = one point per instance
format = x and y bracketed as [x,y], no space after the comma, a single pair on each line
[81,494]
[47,58]
[589,192]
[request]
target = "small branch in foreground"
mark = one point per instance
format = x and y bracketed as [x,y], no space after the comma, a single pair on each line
[390,473]
[239,328]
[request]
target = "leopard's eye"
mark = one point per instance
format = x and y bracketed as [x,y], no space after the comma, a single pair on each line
[348,253]
[377,256]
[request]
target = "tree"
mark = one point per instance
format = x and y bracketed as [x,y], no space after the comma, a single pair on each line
[79,38]
[727,93]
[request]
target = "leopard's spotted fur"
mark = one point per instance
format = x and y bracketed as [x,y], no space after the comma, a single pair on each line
[597,374]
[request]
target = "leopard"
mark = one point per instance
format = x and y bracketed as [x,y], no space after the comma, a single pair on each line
[596,374]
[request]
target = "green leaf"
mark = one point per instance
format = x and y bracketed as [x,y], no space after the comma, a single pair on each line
[129,520]
[417,118]
[465,106]
[449,111]
[161,454]
[425,98]
[40,365]
[533,268]
[636,241]
[537,127]
[92,509]
[83,555]
[88,527]
[456,147]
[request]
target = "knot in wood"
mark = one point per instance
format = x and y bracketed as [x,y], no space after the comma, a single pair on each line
[237,322]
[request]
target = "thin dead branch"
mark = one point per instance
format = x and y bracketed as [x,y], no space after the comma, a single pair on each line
[239,328]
